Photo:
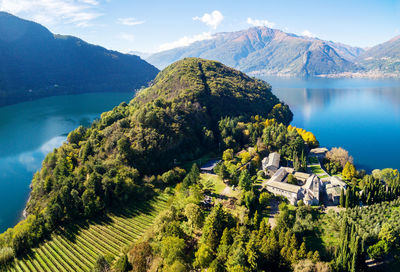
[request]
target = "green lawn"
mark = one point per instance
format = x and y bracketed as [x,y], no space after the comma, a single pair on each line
[316,169]
[219,185]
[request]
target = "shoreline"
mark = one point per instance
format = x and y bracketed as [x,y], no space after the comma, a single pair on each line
[24,212]
[365,75]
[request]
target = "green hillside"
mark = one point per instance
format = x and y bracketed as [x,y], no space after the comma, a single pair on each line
[138,147]
[76,248]
[36,63]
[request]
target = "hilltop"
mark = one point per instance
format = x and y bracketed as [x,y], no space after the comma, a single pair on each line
[176,120]
[36,63]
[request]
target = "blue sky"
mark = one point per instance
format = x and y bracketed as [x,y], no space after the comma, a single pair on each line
[149,26]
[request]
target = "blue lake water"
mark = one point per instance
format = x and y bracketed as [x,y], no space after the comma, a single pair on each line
[362,116]
[30,130]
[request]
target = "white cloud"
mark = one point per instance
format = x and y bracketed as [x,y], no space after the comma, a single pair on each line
[308,33]
[129,21]
[213,19]
[257,22]
[185,41]
[77,12]
[128,37]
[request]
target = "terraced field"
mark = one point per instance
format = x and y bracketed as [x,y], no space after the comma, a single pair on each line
[77,248]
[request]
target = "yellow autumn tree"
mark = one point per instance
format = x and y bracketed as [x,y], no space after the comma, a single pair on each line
[349,171]
[307,136]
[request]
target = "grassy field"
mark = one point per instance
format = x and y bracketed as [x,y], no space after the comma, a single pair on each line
[219,185]
[77,248]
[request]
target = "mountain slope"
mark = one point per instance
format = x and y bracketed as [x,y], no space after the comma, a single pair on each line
[267,51]
[117,159]
[36,63]
[383,58]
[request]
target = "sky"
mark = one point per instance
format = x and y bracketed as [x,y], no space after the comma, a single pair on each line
[152,26]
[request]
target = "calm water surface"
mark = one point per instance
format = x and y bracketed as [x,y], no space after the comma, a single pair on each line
[30,130]
[360,115]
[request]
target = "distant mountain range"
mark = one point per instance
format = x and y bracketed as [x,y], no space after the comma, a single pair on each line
[266,51]
[36,63]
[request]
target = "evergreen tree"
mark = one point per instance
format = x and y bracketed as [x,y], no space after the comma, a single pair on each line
[341,201]
[348,195]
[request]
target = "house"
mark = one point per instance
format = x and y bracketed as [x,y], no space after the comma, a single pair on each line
[319,152]
[270,164]
[209,166]
[300,176]
[334,180]
[309,192]
[333,189]
[290,191]
[333,192]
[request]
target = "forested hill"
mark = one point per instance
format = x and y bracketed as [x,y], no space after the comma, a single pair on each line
[36,63]
[174,121]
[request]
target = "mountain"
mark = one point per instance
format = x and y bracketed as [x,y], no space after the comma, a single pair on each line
[36,63]
[262,50]
[176,120]
[143,55]
[383,58]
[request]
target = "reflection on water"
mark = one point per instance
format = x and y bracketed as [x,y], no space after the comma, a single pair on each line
[358,114]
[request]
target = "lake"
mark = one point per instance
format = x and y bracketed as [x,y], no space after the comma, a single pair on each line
[359,115]
[30,130]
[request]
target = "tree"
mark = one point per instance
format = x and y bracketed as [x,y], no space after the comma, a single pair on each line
[292,179]
[245,180]
[341,200]
[339,155]
[378,250]
[349,171]
[264,199]
[172,249]
[194,215]
[203,256]
[122,264]
[222,171]
[227,155]
[214,225]
[140,255]
[101,265]
[348,196]
[192,177]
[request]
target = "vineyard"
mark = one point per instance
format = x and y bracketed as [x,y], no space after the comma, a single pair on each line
[77,248]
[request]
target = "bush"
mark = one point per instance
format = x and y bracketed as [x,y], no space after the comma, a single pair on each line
[6,255]
[122,264]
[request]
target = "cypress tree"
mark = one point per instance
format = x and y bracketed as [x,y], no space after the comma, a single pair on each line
[341,201]
[348,193]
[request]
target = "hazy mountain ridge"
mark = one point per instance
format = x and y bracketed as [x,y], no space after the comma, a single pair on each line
[266,51]
[36,63]
[383,58]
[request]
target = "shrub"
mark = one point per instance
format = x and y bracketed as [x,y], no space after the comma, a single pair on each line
[6,255]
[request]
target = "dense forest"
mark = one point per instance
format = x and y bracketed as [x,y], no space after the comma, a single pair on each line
[196,110]
[117,158]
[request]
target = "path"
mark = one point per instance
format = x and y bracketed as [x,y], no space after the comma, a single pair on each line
[316,168]
[272,212]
